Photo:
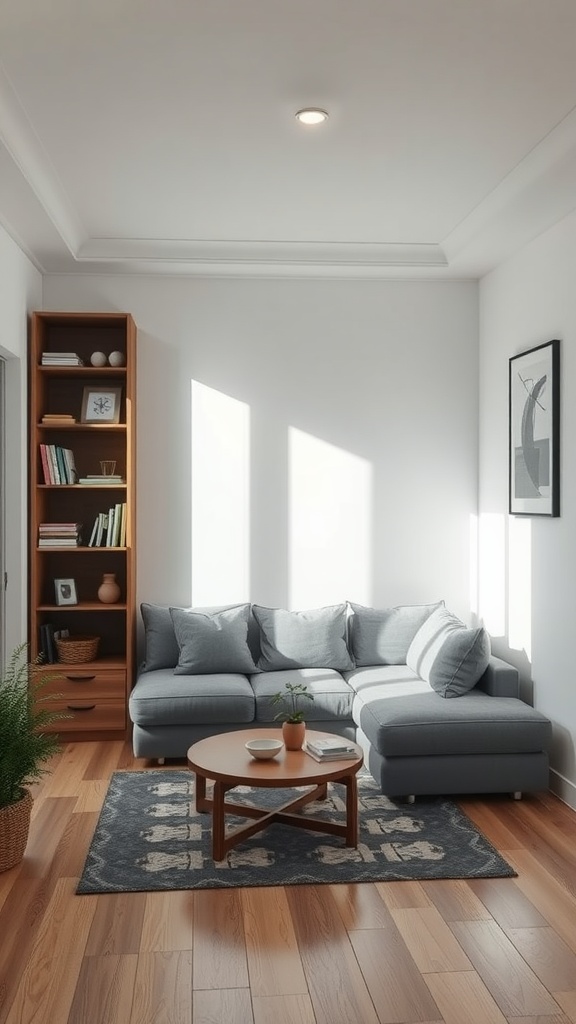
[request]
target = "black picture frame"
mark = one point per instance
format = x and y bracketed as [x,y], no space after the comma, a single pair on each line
[534,431]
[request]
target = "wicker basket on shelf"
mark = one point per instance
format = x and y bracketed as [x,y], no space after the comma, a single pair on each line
[75,649]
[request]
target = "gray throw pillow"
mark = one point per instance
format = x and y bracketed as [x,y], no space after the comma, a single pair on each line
[307,639]
[160,645]
[448,655]
[212,641]
[382,636]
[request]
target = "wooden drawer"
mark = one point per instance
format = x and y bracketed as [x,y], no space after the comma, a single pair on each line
[72,682]
[89,715]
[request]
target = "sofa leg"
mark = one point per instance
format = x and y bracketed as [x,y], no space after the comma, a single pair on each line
[161,760]
[517,794]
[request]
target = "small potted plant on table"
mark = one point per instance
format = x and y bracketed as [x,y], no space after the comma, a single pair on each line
[24,747]
[294,726]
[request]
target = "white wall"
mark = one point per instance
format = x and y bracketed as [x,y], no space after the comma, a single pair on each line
[529,566]
[380,382]
[20,292]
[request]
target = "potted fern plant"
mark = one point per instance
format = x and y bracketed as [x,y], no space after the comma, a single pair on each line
[292,715]
[24,748]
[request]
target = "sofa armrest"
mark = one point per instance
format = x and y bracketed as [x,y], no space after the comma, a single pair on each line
[500,679]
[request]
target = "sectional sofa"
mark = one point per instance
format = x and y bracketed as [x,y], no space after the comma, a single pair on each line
[433,710]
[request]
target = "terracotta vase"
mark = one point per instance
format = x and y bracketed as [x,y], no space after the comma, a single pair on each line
[109,591]
[293,735]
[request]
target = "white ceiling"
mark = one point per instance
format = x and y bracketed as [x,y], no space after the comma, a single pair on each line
[159,135]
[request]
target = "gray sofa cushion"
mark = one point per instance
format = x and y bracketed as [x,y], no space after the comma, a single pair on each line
[160,645]
[161,648]
[212,641]
[162,698]
[426,724]
[332,696]
[306,639]
[370,681]
[382,636]
[449,656]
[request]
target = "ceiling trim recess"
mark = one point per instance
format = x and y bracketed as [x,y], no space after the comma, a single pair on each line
[539,191]
[22,143]
[242,253]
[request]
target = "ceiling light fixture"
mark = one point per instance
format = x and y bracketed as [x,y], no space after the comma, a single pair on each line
[311,115]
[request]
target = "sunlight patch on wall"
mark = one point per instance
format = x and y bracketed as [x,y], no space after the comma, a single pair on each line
[492,572]
[220,497]
[520,585]
[330,523]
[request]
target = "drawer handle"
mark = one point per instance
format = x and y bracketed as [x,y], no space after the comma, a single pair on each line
[80,679]
[85,707]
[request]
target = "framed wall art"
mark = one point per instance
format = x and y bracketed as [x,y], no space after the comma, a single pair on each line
[534,443]
[101,405]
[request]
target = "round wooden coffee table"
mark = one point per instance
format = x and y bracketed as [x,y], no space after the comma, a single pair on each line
[224,759]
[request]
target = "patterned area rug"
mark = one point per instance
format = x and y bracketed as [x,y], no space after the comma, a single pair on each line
[149,837]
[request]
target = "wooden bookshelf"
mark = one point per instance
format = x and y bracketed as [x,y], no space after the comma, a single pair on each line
[94,694]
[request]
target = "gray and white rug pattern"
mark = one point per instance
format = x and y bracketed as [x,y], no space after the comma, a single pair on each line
[149,837]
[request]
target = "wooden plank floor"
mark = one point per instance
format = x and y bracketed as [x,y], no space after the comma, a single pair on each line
[489,951]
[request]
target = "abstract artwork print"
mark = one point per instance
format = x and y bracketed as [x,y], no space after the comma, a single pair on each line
[534,444]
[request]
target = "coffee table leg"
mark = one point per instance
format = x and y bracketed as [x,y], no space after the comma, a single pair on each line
[351,810]
[218,820]
[201,804]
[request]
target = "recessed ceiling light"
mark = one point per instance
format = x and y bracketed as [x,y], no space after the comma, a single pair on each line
[311,115]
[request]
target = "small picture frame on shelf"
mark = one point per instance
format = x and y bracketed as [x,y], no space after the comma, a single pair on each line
[65,591]
[101,405]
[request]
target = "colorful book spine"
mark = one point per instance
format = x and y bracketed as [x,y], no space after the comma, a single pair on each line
[46,466]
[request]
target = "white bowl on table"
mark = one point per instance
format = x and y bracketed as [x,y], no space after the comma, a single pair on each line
[264,749]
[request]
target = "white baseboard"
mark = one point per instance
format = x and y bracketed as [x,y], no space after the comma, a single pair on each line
[563,788]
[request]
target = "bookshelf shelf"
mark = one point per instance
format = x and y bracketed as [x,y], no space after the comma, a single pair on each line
[83,487]
[64,428]
[79,550]
[84,606]
[58,507]
[82,371]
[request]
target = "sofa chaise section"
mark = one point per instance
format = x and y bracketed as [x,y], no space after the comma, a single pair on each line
[487,740]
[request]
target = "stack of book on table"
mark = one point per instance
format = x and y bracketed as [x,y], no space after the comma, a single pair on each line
[334,749]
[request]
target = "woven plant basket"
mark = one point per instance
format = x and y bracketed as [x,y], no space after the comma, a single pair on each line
[14,827]
[75,649]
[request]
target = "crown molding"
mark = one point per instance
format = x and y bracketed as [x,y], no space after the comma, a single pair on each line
[537,193]
[277,257]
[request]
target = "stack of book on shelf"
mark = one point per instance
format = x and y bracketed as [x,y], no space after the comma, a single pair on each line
[97,479]
[57,419]
[61,359]
[334,749]
[58,464]
[48,635]
[109,530]
[59,535]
